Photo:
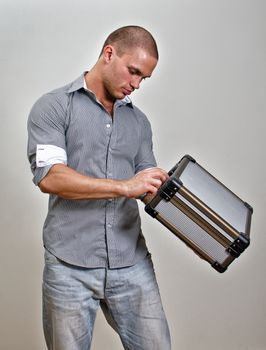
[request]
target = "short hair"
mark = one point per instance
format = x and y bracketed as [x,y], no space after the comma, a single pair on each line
[127,38]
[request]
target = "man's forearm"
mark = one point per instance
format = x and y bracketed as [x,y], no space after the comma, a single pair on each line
[69,184]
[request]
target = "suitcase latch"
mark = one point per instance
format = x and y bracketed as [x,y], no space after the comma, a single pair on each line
[169,189]
[239,245]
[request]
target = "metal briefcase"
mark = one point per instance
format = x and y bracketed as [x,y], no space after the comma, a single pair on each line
[202,212]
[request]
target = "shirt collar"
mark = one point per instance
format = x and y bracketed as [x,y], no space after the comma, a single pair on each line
[76,84]
[80,83]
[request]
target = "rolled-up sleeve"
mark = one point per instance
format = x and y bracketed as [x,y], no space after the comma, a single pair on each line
[46,126]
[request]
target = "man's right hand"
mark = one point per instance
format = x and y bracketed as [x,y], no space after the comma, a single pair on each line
[146,181]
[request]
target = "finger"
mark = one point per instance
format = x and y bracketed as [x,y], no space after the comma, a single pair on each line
[157,183]
[153,169]
[160,175]
[154,183]
[161,172]
[152,190]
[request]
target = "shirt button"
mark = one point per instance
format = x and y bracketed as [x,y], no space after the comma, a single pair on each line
[108,126]
[109,225]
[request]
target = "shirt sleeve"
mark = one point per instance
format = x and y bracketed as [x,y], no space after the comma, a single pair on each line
[145,156]
[46,126]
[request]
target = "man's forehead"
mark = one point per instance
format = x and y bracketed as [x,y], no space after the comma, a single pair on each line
[137,51]
[138,56]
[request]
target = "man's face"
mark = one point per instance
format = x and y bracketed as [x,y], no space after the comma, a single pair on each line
[123,74]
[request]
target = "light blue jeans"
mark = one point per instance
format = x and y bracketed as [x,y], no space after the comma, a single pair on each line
[129,298]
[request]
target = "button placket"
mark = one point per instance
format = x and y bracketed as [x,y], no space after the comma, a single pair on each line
[112,202]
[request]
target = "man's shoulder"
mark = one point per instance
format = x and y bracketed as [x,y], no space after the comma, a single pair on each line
[55,99]
[140,115]
[59,95]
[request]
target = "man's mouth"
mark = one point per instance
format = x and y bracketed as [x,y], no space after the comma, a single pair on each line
[127,91]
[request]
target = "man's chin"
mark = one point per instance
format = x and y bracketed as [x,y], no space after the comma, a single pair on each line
[120,95]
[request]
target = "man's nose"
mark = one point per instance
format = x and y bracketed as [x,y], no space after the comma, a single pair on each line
[135,82]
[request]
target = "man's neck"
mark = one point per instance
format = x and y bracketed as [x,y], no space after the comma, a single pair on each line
[94,84]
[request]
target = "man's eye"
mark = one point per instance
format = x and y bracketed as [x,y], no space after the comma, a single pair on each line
[132,71]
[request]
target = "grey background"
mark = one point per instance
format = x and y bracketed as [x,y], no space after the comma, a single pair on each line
[206,98]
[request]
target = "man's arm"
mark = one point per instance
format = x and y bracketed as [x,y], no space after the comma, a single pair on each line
[69,184]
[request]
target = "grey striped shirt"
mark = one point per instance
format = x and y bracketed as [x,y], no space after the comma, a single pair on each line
[92,233]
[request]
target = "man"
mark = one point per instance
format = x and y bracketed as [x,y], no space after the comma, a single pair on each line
[90,148]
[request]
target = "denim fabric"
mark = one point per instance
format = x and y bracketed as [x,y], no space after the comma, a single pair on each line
[129,298]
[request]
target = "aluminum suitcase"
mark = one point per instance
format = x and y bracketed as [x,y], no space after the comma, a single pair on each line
[203,213]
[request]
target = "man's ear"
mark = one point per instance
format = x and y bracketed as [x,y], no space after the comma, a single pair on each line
[108,53]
